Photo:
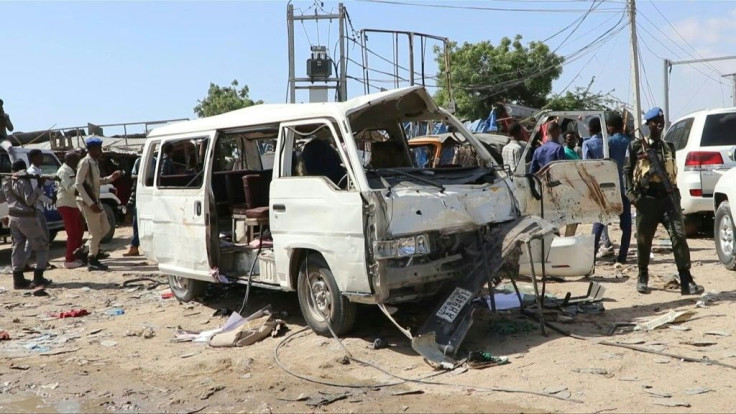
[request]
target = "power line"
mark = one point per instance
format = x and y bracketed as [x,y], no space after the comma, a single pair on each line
[677,32]
[687,53]
[649,97]
[501,9]
[696,68]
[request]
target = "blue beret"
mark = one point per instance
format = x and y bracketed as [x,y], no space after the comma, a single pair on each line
[93,141]
[653,113]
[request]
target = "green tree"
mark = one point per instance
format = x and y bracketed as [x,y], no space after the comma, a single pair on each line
[221,99]
[582,99]
[483,74]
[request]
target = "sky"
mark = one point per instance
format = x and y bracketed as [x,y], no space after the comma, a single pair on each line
[69,63]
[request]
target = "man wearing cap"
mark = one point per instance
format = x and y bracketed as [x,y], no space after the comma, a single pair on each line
[24,226]
[87,183]
[647,191]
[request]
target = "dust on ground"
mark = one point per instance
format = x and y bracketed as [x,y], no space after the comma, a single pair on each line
[108,362]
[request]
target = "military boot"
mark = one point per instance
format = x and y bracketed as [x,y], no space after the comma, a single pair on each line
[20,282]
[688,286]
[39,280]
[642,282]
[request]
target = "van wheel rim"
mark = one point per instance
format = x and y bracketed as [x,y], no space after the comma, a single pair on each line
[726,235]
[320,299]
[180,283]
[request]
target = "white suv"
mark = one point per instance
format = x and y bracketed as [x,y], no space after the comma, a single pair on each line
[703,141]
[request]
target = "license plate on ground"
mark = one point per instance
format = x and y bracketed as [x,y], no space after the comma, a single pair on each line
[454,304]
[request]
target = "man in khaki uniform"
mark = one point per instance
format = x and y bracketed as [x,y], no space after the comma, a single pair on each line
[87,183]
[24,226]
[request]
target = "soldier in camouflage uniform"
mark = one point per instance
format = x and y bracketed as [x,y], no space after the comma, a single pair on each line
[647,191]
[25,226]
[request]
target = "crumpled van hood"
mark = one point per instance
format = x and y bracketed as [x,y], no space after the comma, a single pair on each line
[412,208]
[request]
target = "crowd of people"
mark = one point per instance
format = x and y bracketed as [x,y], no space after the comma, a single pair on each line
[643,184]
[78,202]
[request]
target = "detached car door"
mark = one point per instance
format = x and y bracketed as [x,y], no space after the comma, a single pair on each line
[571,192]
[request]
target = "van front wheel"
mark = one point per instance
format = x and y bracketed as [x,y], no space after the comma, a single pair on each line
[319,296]
[185,289]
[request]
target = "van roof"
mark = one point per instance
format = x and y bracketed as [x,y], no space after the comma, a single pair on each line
[273,113]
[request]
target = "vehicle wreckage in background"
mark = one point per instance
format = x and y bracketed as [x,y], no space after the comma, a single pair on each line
[350,226]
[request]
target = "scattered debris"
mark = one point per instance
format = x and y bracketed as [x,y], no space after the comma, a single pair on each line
[191,354]
[672,282]
[407,392]
[167,294]
[632,341]
[595,371]
[301,397]
[4,336]
[59,351]
[698,343]
[115,312]
[630,379]
[52,386]
[20,367]
[670,403]
[661,360]
[145,333]
[239,331]
[706,299]
[379,343]
[681,328]
[670,317]
[717,333]
[211,391]
[74,313]
[326,399]
[697,390]
[480,359]
[658,393]
[95,331]
[223,312]
[108,343]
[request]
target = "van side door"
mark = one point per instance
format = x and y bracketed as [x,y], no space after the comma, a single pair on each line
[173,212]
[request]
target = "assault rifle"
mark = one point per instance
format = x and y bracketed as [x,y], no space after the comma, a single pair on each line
[673,195]
[24,175]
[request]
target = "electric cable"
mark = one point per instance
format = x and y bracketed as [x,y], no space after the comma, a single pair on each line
[500,9]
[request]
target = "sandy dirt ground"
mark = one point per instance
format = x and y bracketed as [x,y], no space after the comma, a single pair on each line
[104,362]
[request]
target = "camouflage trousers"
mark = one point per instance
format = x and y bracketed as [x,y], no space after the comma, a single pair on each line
[28,230]
[650,212]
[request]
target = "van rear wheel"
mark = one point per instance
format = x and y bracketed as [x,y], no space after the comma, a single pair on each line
[319,296]
[185,289]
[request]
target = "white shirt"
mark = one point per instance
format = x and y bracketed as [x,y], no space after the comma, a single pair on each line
[65,196]
[34,183]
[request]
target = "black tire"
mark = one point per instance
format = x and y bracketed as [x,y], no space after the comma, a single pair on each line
[723,236]
[110,213]
[52,235]
[329,300]
[185,289]
[692,225]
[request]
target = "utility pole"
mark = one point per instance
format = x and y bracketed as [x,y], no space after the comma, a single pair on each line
[668,67]
[733,77]
[321,63]
[635,66]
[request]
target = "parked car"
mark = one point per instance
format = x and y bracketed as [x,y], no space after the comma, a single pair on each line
[703,141]
[344,231]
[110,203]
[724,197]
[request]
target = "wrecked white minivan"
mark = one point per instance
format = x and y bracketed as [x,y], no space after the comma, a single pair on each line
[325,200]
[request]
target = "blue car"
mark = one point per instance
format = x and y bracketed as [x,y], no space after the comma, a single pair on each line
[8,155]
